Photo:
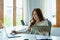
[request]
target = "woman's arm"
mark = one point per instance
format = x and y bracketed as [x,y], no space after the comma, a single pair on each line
[30,26]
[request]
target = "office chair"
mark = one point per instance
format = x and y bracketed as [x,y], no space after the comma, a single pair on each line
[22,22]
[50,24]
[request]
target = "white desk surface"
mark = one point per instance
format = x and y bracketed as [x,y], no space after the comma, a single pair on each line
[26,36]
[34,37]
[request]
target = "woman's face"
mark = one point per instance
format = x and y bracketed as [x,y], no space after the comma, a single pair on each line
[35,15]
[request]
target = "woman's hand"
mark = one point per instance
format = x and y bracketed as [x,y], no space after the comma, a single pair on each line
[42,32]
[13,32]
[29,29]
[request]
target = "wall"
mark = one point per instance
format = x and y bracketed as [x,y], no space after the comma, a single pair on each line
[29,5]
[1,13]
[25,9]
[58,13]
[36,4]
[50,10]
[14,12]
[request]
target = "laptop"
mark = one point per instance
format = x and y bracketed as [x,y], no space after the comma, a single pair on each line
[45,28]
[11,35]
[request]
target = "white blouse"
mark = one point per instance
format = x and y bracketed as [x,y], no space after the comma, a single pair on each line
[42,23]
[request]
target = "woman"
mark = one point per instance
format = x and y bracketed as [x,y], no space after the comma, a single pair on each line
[37,19]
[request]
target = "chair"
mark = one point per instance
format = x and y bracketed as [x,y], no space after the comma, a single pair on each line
[22,22]
[50,24]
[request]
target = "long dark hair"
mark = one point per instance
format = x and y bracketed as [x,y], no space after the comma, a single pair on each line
[39,14]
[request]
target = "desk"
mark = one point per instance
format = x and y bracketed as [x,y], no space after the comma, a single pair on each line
[26,36]
[34,37]
[47,37]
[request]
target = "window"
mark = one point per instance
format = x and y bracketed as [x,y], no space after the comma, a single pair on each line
[8,12]
[18,12]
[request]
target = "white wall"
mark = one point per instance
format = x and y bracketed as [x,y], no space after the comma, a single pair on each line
[26,14]
[48,8]
[29,5]
[36,4]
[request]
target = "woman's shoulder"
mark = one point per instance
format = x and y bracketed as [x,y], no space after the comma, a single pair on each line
[43,23]
[49,22]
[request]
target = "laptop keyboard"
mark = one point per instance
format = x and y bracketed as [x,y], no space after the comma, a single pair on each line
[13,36]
